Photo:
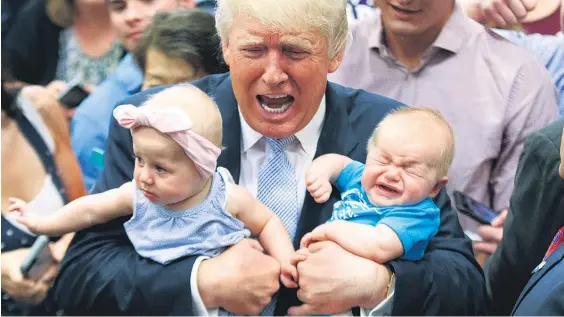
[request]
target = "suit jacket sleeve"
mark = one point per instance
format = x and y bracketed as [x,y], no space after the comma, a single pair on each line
[534,218]
[102,274]
[447,281]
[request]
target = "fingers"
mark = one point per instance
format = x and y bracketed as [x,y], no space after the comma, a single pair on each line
[288,282]
[490,234]
[499,221]
[299,256]
[503,9]
[16,205]
[520,8]
[318,234]
[485,247]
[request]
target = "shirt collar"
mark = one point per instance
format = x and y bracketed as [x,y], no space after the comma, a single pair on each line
[452,37]
[308,136]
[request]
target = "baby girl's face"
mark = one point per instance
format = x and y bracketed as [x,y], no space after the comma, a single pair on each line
[400,169]
[163,172]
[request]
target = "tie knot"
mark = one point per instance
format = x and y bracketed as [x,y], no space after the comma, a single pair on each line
[280,144]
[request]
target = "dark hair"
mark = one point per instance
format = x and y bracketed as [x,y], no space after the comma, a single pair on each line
[186,34]
[9,104]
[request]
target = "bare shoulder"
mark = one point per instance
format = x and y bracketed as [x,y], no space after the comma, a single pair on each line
[238,198]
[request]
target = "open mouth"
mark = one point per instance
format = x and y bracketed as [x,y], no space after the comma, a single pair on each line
[404,10]
[389,189]
[275,103]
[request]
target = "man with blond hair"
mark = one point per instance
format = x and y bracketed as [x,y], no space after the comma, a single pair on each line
[279,113]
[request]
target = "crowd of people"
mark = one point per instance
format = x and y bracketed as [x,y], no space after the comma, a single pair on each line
[282,157]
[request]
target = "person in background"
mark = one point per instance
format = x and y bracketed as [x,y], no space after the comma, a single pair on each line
[179,46]
[57,42]
[38,164]
[548,49]
[536,213]
[428,52]
[279,113]
[10,10]
[90,122]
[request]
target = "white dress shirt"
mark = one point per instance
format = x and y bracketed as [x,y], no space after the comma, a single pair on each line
[300,154]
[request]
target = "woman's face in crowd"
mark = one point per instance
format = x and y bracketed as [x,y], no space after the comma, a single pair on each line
[161,69]
[131,17]
[278,78]
[414,17]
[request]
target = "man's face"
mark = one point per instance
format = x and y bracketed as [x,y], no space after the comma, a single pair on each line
[562,156]
[414,17]
[279,78]
[131,17]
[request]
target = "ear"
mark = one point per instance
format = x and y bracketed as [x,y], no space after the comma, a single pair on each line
[336,61]
[187,4]
[438,186]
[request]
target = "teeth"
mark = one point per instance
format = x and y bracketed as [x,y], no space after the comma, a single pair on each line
[283,108]
[276,96]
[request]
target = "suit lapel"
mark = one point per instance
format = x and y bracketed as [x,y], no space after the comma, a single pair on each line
[337,136]
[230,157]
[552,261]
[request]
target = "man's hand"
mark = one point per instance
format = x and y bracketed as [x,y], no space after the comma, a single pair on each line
[333,281]
[242,279]
[15,284]
[492,235]
[501,12]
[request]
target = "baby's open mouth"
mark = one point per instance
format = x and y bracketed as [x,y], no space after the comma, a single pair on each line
[389,189]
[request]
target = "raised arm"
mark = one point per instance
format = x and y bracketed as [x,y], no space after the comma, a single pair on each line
[323,172]
[81,213]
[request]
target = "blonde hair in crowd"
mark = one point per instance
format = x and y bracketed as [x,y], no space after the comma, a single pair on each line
[327,16]
[200,107]
[433,117]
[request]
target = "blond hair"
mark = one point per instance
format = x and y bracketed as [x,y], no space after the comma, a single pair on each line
[61,12]
[433,117]
[329,17]
[200,107]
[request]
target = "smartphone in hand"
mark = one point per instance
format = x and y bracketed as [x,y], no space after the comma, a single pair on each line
[38,260]
[73,96]
[474,209]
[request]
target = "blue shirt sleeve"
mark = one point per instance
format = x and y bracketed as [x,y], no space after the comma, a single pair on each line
[350,176]
[415,225]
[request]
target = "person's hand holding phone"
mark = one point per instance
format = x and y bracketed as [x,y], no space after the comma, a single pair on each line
[16,285]
[492,235]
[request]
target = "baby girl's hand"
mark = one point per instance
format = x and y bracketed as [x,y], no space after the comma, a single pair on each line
[318,185]
[289,275]
[299,256]
[30,221]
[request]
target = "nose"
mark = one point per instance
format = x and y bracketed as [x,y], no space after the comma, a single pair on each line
[145,176]
[392,174]
[274,74]
[133,13]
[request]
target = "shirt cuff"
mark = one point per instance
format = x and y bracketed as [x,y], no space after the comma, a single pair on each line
[385,307]
[197,302]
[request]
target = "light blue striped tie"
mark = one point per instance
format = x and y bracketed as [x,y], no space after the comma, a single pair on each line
[277,189]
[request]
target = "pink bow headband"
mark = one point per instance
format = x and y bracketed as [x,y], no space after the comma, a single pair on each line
[178,126]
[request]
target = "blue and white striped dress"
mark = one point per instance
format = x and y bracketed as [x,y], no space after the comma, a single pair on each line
[206,229]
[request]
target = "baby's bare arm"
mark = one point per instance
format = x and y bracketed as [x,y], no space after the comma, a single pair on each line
[84,212]
[380,243]
[262,222]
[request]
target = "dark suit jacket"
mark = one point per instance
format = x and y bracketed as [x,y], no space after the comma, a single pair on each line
[544,293]
[102,273]
[536,212]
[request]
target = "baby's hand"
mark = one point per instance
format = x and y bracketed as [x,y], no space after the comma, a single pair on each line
[289,275]
[318,186]
[30,221]
[318,234]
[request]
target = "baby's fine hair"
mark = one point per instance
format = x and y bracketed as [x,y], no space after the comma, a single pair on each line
[433,117]
[200,107]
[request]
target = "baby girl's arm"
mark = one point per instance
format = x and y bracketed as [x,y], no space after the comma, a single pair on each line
[323,172]
[380,243]
[264,224]
[79,214]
